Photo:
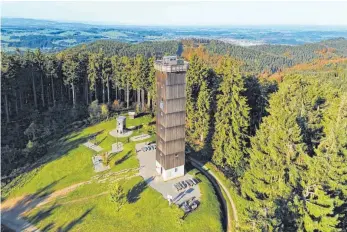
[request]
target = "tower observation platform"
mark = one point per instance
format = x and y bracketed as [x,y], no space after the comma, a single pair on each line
[170,128]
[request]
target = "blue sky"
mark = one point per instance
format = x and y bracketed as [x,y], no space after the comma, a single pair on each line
[183,13]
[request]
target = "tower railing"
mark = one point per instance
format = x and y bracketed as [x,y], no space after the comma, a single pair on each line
[160,66]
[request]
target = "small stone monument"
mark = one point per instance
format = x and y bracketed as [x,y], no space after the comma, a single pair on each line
[132,114]
[121,124]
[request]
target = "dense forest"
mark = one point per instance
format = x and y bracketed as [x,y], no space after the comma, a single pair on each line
[281,142]
[260,58]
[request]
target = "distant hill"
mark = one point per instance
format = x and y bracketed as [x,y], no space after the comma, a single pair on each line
[148,49]
[54,36]
[38,23]
[260,58]
[272,58]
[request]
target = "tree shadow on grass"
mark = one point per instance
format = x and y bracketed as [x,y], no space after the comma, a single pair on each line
[42,214]
[75,222]
[29,202]
[58,149]
[124,158]
[134,194]
[48,227]
[99,142]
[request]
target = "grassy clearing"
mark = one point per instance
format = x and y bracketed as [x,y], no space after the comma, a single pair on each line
[148,211]
[73,160]
[88,208]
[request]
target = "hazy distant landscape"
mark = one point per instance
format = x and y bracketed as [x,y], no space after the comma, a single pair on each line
[53,35]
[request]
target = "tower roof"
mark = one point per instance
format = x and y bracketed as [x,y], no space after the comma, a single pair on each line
[121,118]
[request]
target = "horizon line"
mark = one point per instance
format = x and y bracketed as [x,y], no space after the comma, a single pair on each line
[104,23]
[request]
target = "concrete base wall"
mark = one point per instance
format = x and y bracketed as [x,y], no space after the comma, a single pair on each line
[170,173]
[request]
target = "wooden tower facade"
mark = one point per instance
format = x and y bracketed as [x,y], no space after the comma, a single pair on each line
[170,128]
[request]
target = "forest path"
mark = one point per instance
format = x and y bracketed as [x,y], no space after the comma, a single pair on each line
[13,210]
[218,183]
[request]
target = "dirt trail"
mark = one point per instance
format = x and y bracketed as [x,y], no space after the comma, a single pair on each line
[27,199]
[217,181]
[12,210]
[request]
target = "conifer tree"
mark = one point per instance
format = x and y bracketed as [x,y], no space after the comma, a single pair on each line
[39,65]
[199,97]
[70,71]
[106,73]
[231,119]
[276,158]
[152,87]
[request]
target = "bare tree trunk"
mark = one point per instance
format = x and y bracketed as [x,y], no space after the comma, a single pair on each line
[108,90]
[20,100]
[139,99]
[16,99]
[69,94]
[34,89]
[103,92]
[96,90]
[48,96]
[6,109]
[61,91]
[42,92]
[86,91]
[127,94]
[53,96]
[143,99]
[149,100]
[116,91]
[73,95]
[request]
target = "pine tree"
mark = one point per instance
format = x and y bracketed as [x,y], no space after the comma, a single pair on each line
[198,102]
[71,71]
[231,119]
[29,64]
[51,72]
[152,88]
[94,72]
[332,154]
[277,156]
[106,73]
[203,106]
[117,196]
[39,65]
[116,72]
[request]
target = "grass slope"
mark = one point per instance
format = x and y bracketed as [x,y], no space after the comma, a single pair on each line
[88,208]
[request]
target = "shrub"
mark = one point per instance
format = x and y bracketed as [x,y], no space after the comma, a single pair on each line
[94,110]
[117,195]
[104,111]
[115,105]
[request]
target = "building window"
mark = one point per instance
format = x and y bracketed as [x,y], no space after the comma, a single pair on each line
[175,169]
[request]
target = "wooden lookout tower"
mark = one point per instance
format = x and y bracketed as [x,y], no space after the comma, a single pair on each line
[171,102]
